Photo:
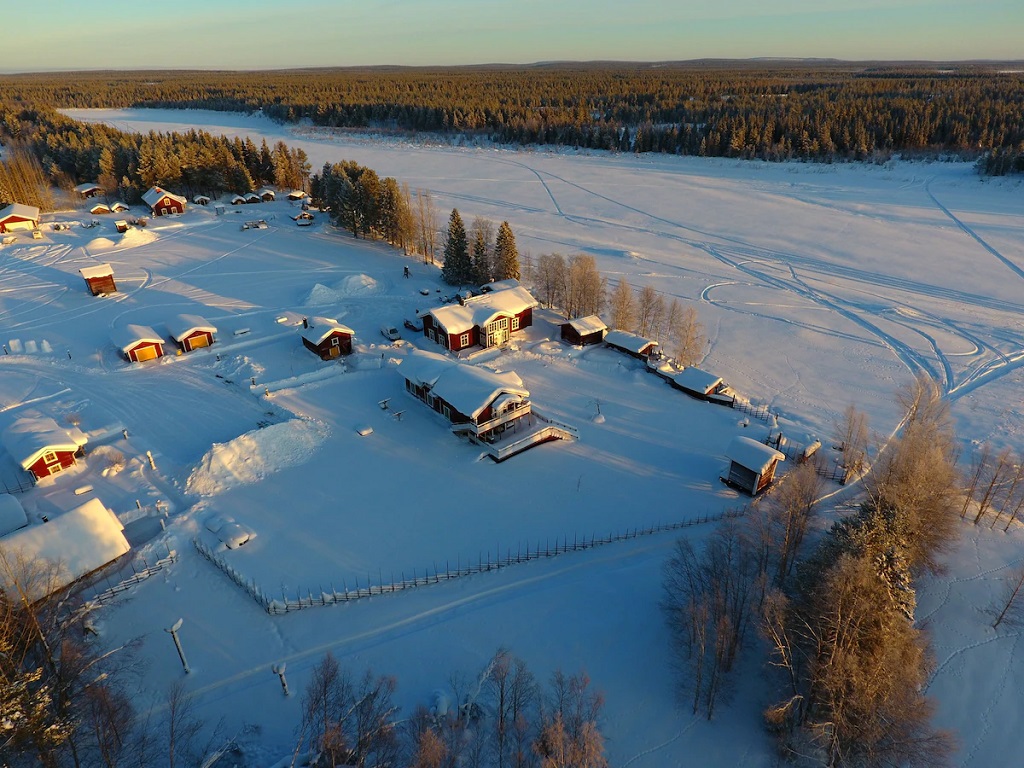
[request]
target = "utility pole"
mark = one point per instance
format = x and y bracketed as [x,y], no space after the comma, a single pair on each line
[177,644]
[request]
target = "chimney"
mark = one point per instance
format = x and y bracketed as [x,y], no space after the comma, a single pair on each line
[305,323]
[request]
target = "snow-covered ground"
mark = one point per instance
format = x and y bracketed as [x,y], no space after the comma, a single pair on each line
[820,286]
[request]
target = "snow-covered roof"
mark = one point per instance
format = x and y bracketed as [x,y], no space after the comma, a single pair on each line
[251,195]
[117,205]
[322,327]
[86,187]
[100,208]
[199,198]
[296,194]
[80,541]
[467,388]
[628,341]
[30,437]
[266,191]
[587,325]
[237,198]
[181,326]
[21,211]
[100,270]
[480,310]
[696,380]
[751,454]
[12,515]
[500,285]
[132,335]
[155,194]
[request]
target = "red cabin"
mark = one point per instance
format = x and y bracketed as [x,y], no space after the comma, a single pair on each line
[487,321]
[19,217]
[327,338]
[162,203]
[42,447]
[100,279]
[191,332]
[139,343]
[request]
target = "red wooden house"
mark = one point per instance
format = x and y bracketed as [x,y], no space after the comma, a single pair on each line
[162,203]
[42,447]
[475,400]
[191,332]
[99,278]
[139,343]
[17,217]
[486,321]
[327,338]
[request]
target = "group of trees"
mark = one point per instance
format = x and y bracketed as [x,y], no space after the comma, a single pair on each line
[579,289]
[23,180]
[500,719]
[361,202]
[772,111]
[839,621]
[479,256]
[125,165]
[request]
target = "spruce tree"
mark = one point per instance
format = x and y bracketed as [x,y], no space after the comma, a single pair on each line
[481,263]
[457,268]
[506,257]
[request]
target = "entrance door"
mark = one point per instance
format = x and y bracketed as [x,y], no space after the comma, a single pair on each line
[145,353]
[199,341]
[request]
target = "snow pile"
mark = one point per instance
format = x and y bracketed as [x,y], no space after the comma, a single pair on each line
[100,244]
[254,455]
[321,294]
[359,285]
[135,236]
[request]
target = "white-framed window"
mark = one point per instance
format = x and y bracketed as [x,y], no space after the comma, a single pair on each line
[515,323]
[464,340]
[49,457]
[334,341]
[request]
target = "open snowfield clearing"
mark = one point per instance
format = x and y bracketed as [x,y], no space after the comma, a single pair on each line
[819,286]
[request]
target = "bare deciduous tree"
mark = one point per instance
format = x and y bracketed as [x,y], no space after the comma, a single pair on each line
[789,510]
[689,342]
[852,435]
[622,307]
[650,312]
[583,292]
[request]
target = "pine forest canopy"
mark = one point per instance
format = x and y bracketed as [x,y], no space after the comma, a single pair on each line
[770,110]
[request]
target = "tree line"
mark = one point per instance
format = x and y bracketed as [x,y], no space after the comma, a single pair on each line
[61,153]
[850,667]
[773,112]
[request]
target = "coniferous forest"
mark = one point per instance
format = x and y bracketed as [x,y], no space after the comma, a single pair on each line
[771,111]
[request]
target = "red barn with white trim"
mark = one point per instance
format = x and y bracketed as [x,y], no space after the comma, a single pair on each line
[139,343]
[42,447]
[162,203]
[191,332]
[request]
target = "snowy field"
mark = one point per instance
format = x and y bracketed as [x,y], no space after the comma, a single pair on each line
[820,286]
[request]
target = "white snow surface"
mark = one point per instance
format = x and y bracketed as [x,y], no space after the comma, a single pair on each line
[819,285]
[253,456]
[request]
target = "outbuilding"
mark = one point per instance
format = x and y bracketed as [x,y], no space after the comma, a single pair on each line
[139,343]
[88,189]
[191,332]
[266,194]
[121,226]
[584,330]
[42,447]
[99,278]
[296,194]
[326,338]
[698,383]
[631,344]
[237,200]
[201,200]
[163,203]
[17,217]
[252,197]
[118,207]
[100,209]
[751,464]
[81,540]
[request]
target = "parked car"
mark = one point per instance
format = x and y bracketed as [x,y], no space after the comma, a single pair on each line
[390,333]
[413,324]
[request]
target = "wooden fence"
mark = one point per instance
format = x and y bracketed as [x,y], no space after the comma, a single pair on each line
[306,598]
[136,578]
[760,412]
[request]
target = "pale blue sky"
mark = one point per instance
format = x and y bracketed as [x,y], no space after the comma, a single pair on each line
[258,34]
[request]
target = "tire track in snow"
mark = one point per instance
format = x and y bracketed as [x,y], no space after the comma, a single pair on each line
[972,234]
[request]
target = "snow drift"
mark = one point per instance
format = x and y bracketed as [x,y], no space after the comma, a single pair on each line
[254,455]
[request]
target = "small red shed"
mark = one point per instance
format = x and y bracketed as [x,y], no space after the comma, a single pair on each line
[191,332]
[327,338]
[17,217]
[584,330]
[139,343]
[42,447]
[100,279]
